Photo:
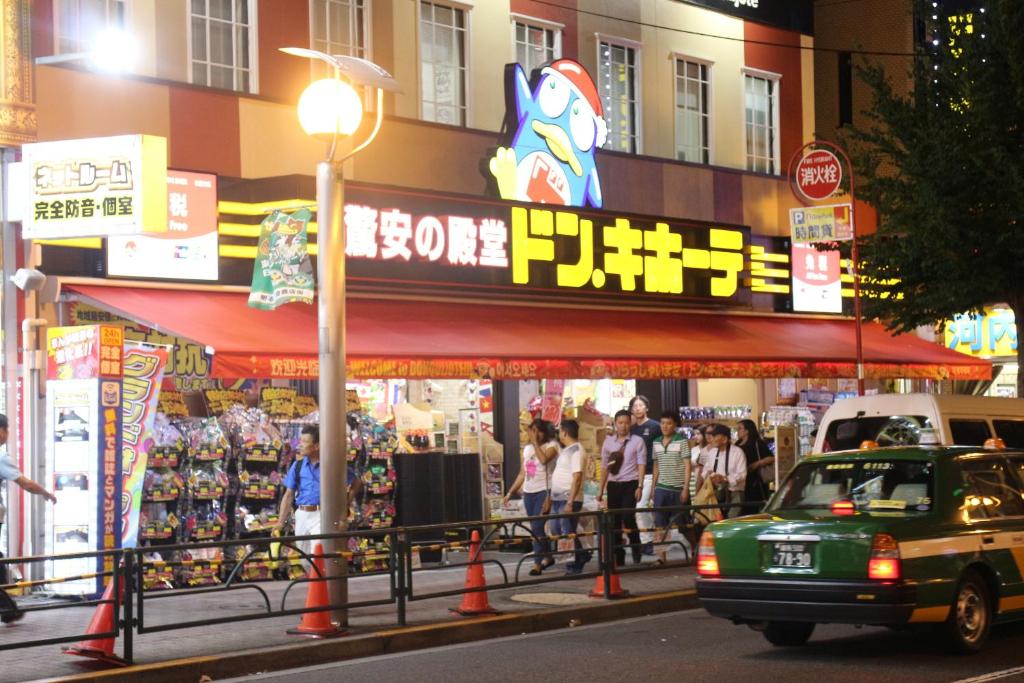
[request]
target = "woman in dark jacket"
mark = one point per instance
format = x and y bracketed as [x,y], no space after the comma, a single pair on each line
[759,456]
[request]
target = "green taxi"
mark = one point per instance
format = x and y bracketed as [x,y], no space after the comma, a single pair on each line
[885,536]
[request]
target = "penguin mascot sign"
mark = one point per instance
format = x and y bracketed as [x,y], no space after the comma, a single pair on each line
[556,125]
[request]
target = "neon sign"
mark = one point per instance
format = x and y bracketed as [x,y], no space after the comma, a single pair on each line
[525,250]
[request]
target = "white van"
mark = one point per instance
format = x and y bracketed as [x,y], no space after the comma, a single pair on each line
[898,419]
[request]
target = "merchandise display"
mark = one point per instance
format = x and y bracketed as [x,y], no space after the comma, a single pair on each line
[371,451]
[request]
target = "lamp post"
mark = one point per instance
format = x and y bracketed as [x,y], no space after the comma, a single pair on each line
[330,108]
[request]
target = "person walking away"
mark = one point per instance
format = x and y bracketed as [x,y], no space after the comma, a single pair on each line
[9,471]
[759,461]
[534,479]
[726,466]
[671,477]
[302,487]
[567,490]
[622,480]
[648,430]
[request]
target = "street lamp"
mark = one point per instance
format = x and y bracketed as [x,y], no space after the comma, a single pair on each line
[113,50]
[331,108]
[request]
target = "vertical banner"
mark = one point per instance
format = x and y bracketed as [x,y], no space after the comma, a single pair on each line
[282,272]
[83,447]
[143,373]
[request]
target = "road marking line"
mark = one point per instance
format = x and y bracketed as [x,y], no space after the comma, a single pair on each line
[993,676]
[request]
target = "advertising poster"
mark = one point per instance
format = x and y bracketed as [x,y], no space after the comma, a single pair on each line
[143,373]
[817,286]
[282,273]
[551,403]
[188,250]
[83,417]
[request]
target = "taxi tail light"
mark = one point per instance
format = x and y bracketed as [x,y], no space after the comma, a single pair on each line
[884,563]
[707,560]
[843,507]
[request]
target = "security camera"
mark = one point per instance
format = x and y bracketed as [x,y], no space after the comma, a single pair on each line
[28,279]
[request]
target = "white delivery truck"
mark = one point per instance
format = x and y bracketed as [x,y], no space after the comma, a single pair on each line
[899,419]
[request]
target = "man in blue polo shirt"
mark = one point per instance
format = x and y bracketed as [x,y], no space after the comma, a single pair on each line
[302,487]
[305,492]
[9,472]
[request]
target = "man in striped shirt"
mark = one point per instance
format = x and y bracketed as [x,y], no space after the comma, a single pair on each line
[671,455]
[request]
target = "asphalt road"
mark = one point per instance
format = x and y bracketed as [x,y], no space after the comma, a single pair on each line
[687,646]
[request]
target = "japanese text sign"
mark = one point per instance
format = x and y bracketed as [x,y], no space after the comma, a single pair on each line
[84,352]
[819,174]
[816,280]
[95,187]
[990,335]
[509,249]
[821,224]
[188,250]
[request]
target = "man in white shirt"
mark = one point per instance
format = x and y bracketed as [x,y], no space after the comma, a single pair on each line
[726,466]
[567,490]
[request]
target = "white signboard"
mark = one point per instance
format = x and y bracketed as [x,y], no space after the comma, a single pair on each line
[817,283]
[95,187]
[72,440]
[189,248]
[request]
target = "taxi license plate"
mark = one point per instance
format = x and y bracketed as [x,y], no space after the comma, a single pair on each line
[792,555]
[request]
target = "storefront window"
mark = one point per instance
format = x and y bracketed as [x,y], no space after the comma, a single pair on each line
[762,114]
[618,84]
[78,23]
[443,63]
[222,45]
[692,111]
[536,45]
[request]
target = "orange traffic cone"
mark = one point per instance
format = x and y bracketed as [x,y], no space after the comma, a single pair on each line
[101,649]
[475,602]
[616,591]
[316,624]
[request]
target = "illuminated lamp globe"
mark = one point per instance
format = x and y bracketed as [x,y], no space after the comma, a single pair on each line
[330,106]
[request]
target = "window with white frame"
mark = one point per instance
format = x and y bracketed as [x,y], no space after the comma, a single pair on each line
[618,83]
[79,23]
[443,63]
[536,44]
[222,44]
[338,27]
[692,120]
[761,97]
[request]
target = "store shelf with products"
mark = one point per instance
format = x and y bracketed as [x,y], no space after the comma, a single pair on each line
[371,454]
[802,418]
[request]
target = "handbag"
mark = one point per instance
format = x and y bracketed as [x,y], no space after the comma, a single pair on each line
[706,496]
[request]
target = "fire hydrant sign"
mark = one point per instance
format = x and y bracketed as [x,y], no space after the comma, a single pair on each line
[95,187]
[819,174]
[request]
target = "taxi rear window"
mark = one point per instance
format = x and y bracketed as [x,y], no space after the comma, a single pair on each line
[885,430]
[871,485]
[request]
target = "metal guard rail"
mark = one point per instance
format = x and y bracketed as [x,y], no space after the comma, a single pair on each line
[130,566]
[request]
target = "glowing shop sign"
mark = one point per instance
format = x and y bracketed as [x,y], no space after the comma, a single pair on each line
[518,249]
[989,335]
[558,123]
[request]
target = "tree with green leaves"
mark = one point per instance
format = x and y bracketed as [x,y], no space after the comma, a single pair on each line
[943,163]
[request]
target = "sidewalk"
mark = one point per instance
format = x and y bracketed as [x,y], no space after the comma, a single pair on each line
[48,661]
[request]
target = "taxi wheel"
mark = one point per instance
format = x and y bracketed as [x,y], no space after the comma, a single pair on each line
[970,618]
[788,633]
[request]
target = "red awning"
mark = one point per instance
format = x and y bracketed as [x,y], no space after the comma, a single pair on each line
[429,339]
